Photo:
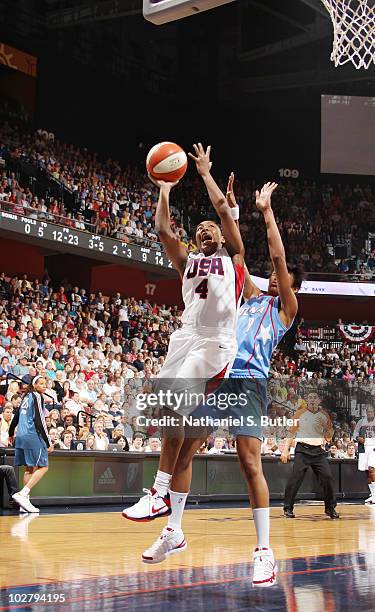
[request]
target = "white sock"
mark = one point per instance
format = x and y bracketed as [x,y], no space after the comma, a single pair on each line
[178,501]
[162,482]
[371,486]
[262,526]
[25,491]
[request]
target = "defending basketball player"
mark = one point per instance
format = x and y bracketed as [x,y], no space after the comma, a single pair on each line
[263,320]
[32,441]
[364,433]
[212,283]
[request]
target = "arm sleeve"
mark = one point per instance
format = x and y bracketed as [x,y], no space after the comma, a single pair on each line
[14,423]
[40,423]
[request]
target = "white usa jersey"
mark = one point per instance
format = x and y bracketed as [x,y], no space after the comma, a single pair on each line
[212,288]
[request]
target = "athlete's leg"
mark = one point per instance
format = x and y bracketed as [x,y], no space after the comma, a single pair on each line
[156,502]
[27,474]
[172,440]
[36,476]
[172,539]
[182,474]
[199,360]
[249,456]
[33,476]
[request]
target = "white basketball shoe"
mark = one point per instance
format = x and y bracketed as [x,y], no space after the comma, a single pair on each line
[149,507]
[170,542]
[24,502]
[265,568]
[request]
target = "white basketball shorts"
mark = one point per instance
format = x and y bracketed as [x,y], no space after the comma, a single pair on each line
[193,355]
[366,460]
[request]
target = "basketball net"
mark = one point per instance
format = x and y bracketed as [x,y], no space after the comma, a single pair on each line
[354,31]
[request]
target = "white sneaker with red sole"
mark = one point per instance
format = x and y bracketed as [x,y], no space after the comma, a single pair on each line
[169,543]
[149,507]
[265,568]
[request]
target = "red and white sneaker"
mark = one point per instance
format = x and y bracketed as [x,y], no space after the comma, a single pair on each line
[265,568]
[149,507]
[169,543]
[370,501]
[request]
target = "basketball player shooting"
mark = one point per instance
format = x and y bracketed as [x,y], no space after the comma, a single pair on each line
[263,321]
[202,349]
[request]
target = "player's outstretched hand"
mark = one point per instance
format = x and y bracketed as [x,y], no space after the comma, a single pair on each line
[161,184]
[263,199]
[231,198]
[284,457]
[202,159]
[51,449]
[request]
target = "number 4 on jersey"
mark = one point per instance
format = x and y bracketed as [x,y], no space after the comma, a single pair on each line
[202,289]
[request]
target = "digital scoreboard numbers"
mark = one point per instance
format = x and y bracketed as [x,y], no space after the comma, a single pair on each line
[164,11]
[70,239]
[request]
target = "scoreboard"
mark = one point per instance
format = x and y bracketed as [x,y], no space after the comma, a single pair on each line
[163,11]
[71,240]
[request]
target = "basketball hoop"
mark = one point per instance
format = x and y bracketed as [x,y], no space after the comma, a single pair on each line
[354,31]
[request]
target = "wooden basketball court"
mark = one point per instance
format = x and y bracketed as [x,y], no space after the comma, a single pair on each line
[91,561]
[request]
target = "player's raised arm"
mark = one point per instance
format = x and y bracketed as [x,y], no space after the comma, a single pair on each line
[174,248]
[250,289]
[277,253]
[231,233]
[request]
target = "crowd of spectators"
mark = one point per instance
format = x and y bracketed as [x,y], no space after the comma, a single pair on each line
[121,202]
[99,352]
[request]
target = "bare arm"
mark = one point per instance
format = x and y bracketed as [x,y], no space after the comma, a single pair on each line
[289,305]
[328,429]
[231,233]
[356,431]
[250,289]
[285,454]
[292,433]
[174,248]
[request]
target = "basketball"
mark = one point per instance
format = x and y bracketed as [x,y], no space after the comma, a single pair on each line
[166,161]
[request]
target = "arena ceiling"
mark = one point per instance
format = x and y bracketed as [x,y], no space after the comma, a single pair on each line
[261,45]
